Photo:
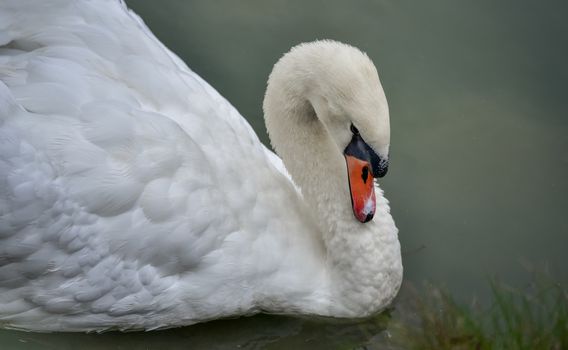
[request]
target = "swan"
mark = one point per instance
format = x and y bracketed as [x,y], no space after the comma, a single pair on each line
[134,197]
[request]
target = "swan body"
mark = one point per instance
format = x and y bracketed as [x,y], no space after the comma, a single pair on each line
[134,196]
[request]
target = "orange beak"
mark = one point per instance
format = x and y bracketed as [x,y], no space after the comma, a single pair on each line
[361,187]
[363,165]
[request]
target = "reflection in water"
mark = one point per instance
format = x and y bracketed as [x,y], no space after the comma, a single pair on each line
[477,182]
[258,332]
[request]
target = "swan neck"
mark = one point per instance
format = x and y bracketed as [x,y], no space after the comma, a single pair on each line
[363,260]
[310,156]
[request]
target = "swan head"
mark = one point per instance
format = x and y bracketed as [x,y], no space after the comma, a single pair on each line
[337,87]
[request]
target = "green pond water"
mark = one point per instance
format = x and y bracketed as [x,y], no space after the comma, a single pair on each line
[478,181]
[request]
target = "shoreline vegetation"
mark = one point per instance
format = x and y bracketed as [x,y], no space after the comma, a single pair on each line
[535,317]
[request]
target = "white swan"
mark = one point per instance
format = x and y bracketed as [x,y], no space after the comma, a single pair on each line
[133,196]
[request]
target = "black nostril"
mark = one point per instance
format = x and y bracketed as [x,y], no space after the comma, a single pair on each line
[365,174]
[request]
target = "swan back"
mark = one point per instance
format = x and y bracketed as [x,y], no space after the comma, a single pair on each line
[133,195]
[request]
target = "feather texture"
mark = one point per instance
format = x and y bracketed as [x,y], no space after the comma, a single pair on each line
[132,195]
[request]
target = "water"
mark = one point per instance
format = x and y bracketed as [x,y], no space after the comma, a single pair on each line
[479,114]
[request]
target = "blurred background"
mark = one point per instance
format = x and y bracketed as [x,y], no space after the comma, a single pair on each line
[478,182]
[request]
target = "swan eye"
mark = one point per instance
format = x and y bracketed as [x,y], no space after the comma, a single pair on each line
[354,130]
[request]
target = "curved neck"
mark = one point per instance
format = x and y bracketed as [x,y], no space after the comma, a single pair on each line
[311,158]
[363,259]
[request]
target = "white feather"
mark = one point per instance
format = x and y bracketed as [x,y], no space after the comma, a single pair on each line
[134,196]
